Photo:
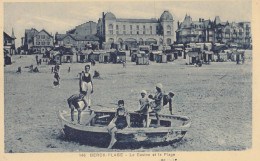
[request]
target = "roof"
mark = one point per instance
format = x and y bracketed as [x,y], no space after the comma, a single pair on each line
[85,37]
[110,16]
[152,20]
[77,37]
[193,54]
[43,31]
[166,16]
[63,50]
[7,36]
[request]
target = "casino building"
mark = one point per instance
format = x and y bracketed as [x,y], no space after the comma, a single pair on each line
[127,33]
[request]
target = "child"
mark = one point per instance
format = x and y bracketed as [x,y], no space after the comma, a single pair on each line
[156,105]
[73,102]
[144,107]
[120,121]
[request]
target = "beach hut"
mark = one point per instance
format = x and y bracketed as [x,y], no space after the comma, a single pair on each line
[161,58]
[154,54]
[192,57]
[133,51]
[142,58]
[57,58]
[238,56]
[169,53]
[104,57]
[208,56]
[94,55]
[118,57]
[83,56]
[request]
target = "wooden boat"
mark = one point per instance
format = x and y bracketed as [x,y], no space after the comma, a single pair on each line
[172,129]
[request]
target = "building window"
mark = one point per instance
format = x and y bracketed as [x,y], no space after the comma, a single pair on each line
[38,37]
[117,29]
[43,36]
[137,29]
[43,43]
[48,43]
[110,29]
[144,29]
[151,30]
[124,32]
[131,29]
[168,30]
[38,43]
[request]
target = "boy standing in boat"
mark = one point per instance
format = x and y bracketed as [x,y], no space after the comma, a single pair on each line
[120,121]
[73,102]
[156,105]
[144,107]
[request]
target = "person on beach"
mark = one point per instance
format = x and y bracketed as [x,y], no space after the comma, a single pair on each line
[167,99]
[144,107]
[156,104]
[57,77]
[73,102]
[120,121]
[86,84]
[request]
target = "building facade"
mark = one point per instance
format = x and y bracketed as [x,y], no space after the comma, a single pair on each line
[194,31]
[9,43]
[208,31]
[79,42]
[37,42]
[127,33]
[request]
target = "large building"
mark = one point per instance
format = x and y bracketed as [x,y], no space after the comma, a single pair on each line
[194,31]
[127,33]
[9,43]
[190,31]
[37,42]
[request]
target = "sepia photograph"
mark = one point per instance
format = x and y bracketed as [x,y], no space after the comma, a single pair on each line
[127,76]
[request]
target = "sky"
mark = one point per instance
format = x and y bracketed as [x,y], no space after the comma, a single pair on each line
[63,16]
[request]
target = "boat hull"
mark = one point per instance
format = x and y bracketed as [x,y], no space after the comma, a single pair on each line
[127,138]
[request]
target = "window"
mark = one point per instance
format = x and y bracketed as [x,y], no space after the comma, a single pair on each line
[144,29]
[137,29]
[43,43]
[168,30]
[117,29]
[38,37]
[131,29]
[43,36]
[151,30]
[110,29]
[38,43]
[48,43]
[124,32]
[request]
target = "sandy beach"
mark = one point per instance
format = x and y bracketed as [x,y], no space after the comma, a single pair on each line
[217,98]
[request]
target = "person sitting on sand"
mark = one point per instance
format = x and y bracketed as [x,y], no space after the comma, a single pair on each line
[120,121]
[73,102]
[156,105]
[167,99]
[144,107]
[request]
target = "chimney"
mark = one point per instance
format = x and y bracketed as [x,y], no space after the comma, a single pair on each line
[178,24]
[199,19]
[202,20]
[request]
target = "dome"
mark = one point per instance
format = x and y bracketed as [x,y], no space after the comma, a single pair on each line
[166,16]
[110,16]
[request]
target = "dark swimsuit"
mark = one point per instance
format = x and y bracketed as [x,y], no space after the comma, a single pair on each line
[121,122]
[86,79]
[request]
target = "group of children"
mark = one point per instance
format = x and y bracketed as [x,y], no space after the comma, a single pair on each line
[148,105]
